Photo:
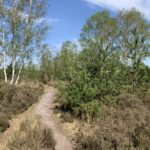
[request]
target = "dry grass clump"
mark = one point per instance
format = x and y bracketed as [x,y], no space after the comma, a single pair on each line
[15,100]
[124,125]
[31,136]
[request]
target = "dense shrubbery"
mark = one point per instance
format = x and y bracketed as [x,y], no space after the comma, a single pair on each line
[31,136]
[110,63]
[123,125]
[79,96]
[15,100]
[83,94]
[103,83]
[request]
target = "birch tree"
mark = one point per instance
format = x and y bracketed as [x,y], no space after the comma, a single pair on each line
[135,41]
[26,39]
[26,28]
[3,38]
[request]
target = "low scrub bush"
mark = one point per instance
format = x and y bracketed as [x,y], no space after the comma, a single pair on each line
[124,125]
[4,123]
[15,100]
[31,136]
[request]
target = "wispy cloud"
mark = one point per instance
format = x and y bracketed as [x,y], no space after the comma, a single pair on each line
[49,21]
[53,20]
[141,5]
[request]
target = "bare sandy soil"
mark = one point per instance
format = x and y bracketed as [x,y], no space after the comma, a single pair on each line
[44,109]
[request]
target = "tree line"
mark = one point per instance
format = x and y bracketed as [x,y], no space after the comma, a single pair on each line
[110,62]
[110,59]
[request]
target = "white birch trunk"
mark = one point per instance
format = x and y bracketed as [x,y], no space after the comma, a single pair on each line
[4,65]
[13,71]
[18,77]
[28,26]
[14,46]
[4,53]
[3,44]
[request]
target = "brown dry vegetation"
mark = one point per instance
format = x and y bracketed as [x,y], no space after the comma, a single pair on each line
[124,125]
[31,136]
[15,100]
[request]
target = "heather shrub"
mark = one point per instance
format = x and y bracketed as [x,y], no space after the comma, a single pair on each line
[122,125]
[31,136]
[15,100]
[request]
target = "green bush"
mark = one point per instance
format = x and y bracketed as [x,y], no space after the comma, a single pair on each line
[79,96]
[88,110]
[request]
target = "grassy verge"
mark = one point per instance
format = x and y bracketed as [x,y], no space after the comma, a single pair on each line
[31,136]
[15,100]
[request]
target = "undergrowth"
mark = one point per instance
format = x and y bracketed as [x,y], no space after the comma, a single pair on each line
[31,136]
[15,100]
[124,125]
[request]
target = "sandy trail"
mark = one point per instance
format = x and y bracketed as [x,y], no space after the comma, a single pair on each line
[45,110]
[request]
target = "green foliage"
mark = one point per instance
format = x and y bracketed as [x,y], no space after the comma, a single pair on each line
[110,63]
[134,41]
[144,72]
[88,110]
[32,72]
[23,35]
[79,96]
[65,60]
[46,65]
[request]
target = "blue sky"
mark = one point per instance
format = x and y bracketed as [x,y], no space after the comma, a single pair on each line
[67,17]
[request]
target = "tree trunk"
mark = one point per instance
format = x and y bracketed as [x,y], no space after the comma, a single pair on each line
[3,44]
[14,43]
[4,63]
[18,77]
[13,71]
[4,53]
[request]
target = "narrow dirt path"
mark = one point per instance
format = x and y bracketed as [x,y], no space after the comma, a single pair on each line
[45,110]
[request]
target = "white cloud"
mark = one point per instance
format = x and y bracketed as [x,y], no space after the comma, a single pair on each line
[49,21]
[141,5]
[53,20]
